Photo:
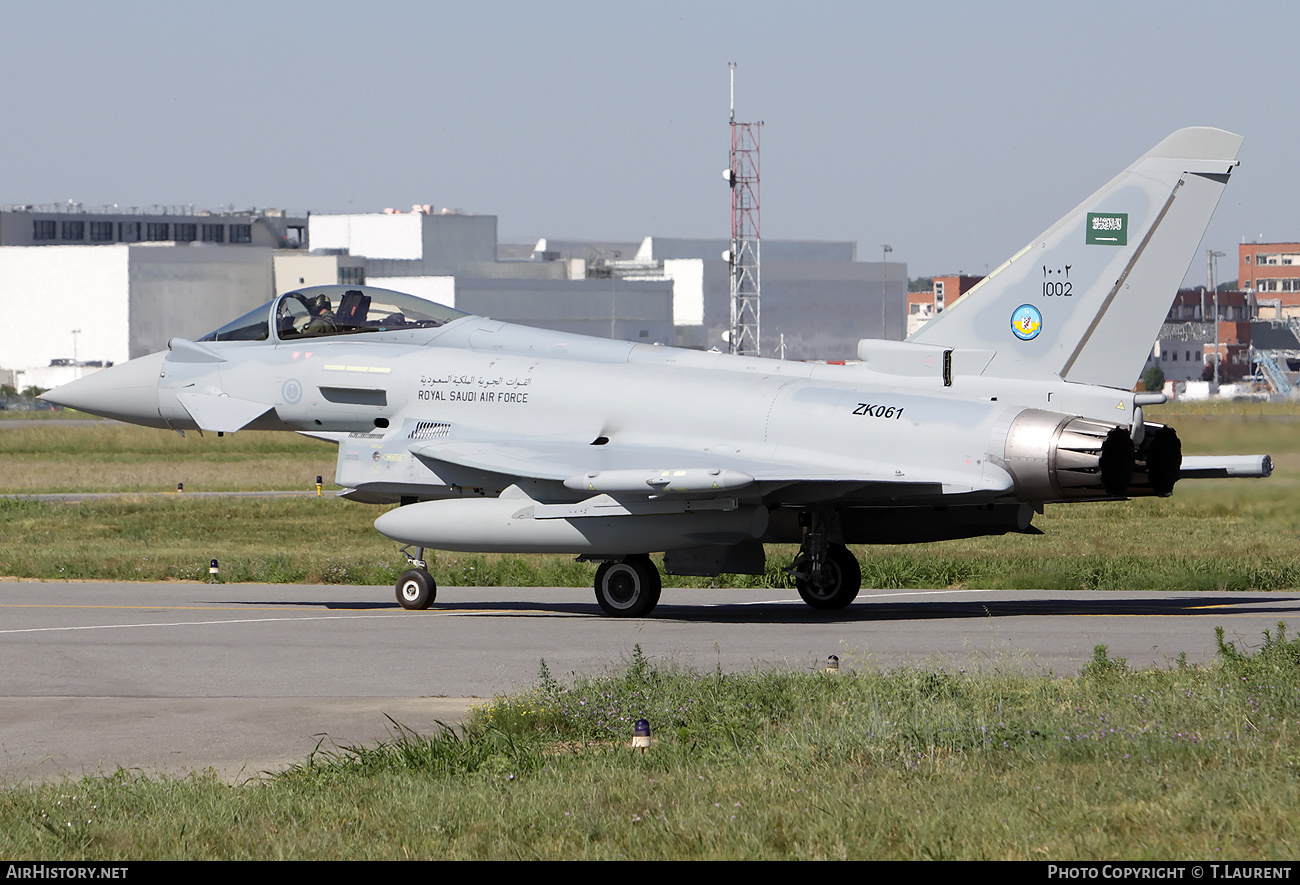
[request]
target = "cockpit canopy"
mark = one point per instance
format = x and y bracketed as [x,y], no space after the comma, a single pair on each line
[319,311]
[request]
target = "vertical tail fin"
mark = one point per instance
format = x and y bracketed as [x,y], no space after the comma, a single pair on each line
[1084,301]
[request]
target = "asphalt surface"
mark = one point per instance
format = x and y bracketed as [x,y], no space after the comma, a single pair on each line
[250,678]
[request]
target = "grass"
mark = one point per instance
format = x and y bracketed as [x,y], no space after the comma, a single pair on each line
[112,457]
[1215,546]
[1113,764]
[13,413]
[1211,535]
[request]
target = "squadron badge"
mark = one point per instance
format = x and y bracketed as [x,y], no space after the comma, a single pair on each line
[1026,322]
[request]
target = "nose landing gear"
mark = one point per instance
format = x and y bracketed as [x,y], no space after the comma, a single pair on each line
[416,589]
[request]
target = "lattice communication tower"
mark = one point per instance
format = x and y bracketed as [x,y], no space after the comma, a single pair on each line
[743,256]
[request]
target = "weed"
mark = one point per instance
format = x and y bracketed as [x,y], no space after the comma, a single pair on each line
[546,683]
[1276,657]
[1103,667]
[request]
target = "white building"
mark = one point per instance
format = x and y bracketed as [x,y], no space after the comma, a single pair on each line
[419,243]
[113,303]
[1180,350]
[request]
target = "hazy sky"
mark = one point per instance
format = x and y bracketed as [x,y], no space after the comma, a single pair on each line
[954,131]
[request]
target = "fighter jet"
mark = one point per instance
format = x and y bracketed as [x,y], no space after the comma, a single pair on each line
[498,437]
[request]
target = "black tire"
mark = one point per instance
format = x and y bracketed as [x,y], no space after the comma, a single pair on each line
[841,581]
[416,589]
[628,588]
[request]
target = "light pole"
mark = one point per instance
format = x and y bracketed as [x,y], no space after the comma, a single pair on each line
[1214,260]
[884,280]
[75,362]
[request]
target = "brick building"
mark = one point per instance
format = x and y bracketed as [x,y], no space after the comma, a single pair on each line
[923,306]
[1272,270]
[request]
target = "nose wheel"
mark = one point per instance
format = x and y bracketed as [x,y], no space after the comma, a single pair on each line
[416,589]
[629,587]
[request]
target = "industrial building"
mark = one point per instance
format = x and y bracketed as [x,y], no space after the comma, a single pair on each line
[108,284]
[1252,347]
[71,224]
[817,300]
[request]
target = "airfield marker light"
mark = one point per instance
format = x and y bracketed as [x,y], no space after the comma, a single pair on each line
[318,485]
[641,739]
[833,665]
[213,572]
[180,487]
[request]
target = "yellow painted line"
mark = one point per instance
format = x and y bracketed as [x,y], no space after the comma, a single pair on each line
[172,624]
[386,612]
[253,608]
[894,594]
[156,608]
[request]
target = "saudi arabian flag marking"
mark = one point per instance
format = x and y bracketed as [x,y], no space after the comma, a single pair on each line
[1109,229]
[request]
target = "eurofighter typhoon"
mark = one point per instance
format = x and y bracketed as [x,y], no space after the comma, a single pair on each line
[498,437]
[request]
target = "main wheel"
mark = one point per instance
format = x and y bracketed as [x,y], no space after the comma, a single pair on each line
[840,582]
[416,589]
[628,588]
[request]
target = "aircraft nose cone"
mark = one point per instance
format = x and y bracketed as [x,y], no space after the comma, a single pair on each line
[127,392]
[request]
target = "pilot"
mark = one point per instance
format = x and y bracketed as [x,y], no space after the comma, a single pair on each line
[322,320]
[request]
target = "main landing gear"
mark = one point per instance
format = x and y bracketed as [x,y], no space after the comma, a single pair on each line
[826,574]
[416,589]
[628,587]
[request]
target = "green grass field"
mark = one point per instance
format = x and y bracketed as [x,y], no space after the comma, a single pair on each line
[1211,535]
